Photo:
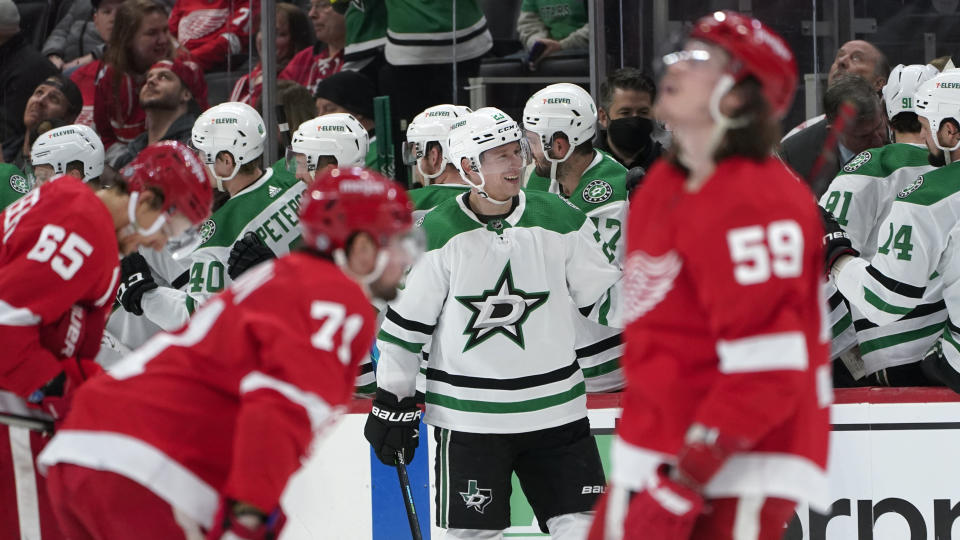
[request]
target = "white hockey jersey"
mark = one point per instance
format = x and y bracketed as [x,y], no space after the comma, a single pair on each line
[495,299]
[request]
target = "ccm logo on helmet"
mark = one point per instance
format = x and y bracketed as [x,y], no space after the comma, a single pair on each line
[553,100]
[361,186]
[396,417]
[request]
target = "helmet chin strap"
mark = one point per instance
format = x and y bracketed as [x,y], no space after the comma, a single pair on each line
[721,122]
[947,157]
[383,258]
[222,179]
[434,175]
[479,188]
[132,216]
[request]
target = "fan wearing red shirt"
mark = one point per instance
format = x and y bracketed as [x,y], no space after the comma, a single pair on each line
[198,432]
[726,413]
[313,64]
[59,269]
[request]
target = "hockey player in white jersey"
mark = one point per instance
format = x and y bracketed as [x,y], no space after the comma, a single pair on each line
[492,296]
[327,141]
[64,149]
[860,197]
[916,251]
[426,150]
[560,122]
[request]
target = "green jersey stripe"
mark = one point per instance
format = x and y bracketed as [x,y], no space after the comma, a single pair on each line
[872,345]
[842,324]
[477,406]
[607,367]
[882,305]
[389,338]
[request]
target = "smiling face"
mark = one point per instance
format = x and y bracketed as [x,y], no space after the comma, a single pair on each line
[151,43]
[502,168]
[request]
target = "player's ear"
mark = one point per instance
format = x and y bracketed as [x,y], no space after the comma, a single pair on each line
[602,117]
[361,254]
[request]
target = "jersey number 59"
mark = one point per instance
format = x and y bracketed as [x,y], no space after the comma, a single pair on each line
[65,256]
[758,252]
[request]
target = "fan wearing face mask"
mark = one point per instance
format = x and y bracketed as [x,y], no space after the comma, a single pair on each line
[629,133]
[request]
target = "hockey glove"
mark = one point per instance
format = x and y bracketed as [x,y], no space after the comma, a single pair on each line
[836,242]
[238,521]
[938,370]
[135,280]
[665,510]
[393,426]
[247,252]
[62,337]
[705,450]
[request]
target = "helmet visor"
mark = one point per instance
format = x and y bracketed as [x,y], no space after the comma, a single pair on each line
[411,152]
[506,159]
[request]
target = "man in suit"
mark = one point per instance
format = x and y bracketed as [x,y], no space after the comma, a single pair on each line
[867,129]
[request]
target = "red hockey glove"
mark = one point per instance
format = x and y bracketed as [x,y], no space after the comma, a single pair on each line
[704,452]
[666,510]
[63,336]
[239,521]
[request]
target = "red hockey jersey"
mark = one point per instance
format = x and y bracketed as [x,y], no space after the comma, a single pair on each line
[85,77]
[59,248]
[213,29]
[227,406]
[724,328]
[117,114]
[310,66]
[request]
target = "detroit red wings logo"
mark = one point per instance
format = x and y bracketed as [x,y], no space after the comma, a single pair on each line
[646,281]
[201,22]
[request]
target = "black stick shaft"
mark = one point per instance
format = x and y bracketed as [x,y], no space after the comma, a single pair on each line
[408,498]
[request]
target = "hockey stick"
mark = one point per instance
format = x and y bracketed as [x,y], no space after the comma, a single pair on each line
[407,494]
[15,412]
[845,114]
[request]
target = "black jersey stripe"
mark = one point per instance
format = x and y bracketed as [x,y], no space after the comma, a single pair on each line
[518,383]
[892,285]
[920,311]
[599,347]
[835,300]
[436,42]
[407,324]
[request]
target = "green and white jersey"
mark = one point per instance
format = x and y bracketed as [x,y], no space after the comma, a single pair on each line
[860,197]
[427,198]
[13,184]
[601,195]
[421,32]
[561,17]
[861,194]
[913,281]
[493,300]
[366,31]
[270,206]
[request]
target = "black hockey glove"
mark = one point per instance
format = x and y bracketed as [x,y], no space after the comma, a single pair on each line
[393,425]
[836,242]
[938,370]
[135,280]
[247,252]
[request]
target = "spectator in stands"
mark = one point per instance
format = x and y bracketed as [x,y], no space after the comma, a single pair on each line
[626,117]
[349,92]
[867,129]
[313,64]
[555,24]
[213,29]
[293,34]
[22,67]
[80,37]
[173,96]
[55,102]
[856,57]
[139,40]
[295,106]
[366,36]
[419,55]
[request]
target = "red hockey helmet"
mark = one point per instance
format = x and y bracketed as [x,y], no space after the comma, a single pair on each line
[178,172]
[348,200]
[756,51]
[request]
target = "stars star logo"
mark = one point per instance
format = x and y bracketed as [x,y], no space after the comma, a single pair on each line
[500,310]
[476,498]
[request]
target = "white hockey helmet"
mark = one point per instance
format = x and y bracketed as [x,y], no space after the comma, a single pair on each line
[477,132]
[902,85]
[561,108]
[432,125]
[339,135]
[937,100]
[231,127]
[63,145]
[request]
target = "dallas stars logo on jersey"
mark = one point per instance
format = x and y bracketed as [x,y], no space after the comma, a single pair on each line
[207,228]
[500,310]
[597,191]
[19,184]
[476,498]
